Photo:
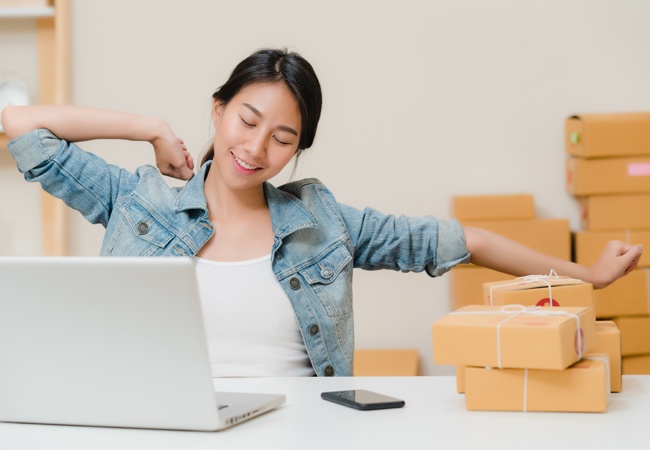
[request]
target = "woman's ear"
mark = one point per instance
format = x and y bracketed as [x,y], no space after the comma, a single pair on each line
[217,111]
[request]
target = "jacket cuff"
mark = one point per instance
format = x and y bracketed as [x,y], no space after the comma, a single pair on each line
[34,148]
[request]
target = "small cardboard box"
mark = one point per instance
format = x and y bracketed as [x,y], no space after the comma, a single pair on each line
[372,362]
[636,365]
[607,176]
[549,236]
[493,207]
[608,135]
[539,291]
[508,336]
[628,296]
[608,340]
[583,387]
[635,334]
[589,245]
[615,212]
[466,284]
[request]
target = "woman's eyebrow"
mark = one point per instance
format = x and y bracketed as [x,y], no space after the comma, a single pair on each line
[280,127]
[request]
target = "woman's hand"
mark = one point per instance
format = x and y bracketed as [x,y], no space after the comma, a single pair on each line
[172,157]
[617,260]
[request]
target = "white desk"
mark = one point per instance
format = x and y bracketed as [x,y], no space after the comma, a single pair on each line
[434,417]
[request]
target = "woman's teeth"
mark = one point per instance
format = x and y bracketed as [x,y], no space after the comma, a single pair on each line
[245,165]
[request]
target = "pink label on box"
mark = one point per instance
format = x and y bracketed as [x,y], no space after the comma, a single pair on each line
[638,169]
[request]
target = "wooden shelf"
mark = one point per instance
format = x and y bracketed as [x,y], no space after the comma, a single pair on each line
[12,12]
[53,42]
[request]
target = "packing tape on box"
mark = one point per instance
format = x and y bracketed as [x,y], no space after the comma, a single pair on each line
[515,311]
[592,358]
[532,279]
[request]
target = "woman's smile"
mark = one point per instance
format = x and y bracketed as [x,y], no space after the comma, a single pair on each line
[243,166]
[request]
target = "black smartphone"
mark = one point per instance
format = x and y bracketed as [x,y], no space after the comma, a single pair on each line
[362,399]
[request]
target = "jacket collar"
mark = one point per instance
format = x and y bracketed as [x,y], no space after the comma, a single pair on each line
[288,212]
[192,196]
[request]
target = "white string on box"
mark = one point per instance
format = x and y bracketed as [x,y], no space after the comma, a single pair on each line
[593,358]
[552,275]
[525,390]
[516,310]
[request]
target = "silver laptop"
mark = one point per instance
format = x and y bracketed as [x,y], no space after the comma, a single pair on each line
[117,342]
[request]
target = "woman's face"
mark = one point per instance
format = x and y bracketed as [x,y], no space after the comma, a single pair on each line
[257,134]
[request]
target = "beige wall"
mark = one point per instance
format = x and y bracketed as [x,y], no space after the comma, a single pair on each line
[423,100]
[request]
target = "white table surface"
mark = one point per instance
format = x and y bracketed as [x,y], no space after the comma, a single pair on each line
[434,417]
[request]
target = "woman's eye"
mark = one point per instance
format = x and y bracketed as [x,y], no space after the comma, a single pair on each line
[247,123]
[280,142]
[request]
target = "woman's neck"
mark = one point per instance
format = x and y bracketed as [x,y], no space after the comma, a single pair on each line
[225,203]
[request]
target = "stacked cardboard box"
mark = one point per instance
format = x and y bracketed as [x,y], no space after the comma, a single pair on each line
[608,170]
[512,216]
[522,357]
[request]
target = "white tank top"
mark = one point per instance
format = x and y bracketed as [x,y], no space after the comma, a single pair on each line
[251,326]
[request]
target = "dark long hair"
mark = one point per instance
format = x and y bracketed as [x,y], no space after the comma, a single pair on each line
[278,66]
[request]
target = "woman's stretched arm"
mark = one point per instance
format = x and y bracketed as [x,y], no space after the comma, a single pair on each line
[77,123]
[496,252]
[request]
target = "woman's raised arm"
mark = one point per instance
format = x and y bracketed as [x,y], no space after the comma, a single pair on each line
[78,123]
[496,252]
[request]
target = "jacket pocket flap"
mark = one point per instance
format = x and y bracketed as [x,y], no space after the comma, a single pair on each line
[326,269]
[145,225]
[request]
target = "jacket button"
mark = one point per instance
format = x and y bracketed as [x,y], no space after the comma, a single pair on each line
[143,228]
[313,330]
[294,283]
[326,272]
[329,371]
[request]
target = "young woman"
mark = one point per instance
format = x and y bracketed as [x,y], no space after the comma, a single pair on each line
[274,264]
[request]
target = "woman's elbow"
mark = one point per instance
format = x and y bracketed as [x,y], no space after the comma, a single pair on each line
[11,122]
[474,239]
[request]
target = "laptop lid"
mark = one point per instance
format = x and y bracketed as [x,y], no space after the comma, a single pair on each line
[107,342]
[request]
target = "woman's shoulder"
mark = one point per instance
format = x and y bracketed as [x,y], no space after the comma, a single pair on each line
[307,190]
[299,187]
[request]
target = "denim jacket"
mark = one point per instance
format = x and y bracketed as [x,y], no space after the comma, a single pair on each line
[317,243]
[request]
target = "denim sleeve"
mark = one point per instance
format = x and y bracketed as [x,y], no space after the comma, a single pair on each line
[82,180]
[404,243]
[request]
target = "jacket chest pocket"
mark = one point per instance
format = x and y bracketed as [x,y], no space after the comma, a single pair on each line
[139,233]
[331,281]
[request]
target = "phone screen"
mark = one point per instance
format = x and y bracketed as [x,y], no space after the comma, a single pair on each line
[363,399]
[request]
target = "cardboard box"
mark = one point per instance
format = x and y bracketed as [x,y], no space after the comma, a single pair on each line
[583,387]
[493,207]
[466,284]
[636,365]
[539,291]
[549,236]
[460,379]
[589,245]
[608,135]
[608,176]
[627,296]
[615,212]
[635,334]
[536,338]
[608,340]
[386,362]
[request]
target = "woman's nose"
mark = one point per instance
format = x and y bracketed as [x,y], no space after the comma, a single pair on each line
[257,144]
